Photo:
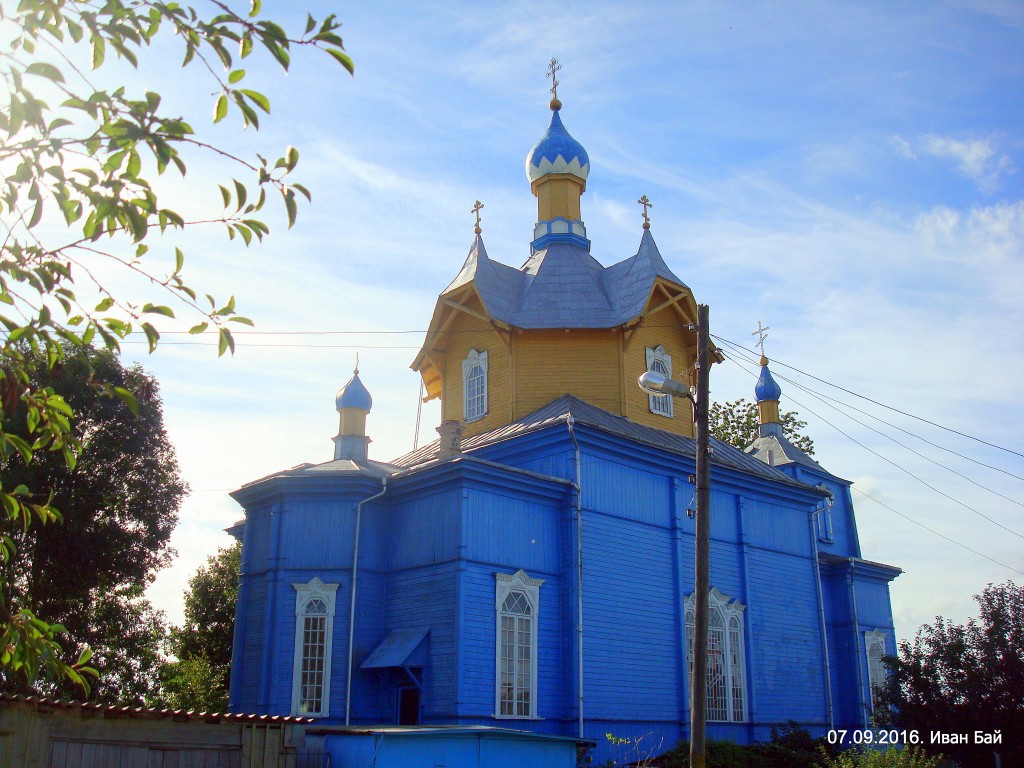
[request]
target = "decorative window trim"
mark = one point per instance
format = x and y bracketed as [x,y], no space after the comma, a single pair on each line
[505,584]
[731,699]
[304,594]
[659,361]
[474,403]
[875,641]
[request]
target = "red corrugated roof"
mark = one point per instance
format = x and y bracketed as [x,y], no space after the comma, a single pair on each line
[112,710]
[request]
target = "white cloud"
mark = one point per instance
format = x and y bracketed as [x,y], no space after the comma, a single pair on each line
[979,159]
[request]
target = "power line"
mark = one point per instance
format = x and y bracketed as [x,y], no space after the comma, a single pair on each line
[898,466]
[932,530]
[823,397]
[876,402]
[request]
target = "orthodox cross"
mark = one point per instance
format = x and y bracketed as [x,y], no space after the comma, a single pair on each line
[476,209]
[761,333]
[356,371]
[646,204]
[553,67]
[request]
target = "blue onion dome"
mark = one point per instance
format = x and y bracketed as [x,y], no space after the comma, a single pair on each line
[557,152]
[766,388]
[354,395]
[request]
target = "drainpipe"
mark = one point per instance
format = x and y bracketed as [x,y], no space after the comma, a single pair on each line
[821,608]
[856,644]
[273,578]
[352,600]
[579,572]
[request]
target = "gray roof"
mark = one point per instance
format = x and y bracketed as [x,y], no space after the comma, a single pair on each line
[563,286]
[775,450]
[557,411]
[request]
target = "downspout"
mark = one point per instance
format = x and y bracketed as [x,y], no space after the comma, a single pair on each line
[856,644]
[352,600]
[273,577]
[821,609]
[579,571]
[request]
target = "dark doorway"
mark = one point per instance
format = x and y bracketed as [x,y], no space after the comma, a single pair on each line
[408,705]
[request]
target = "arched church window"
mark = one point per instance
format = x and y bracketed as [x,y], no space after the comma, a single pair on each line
[726,701]
[474,385]
[659,361]
[874,646]
[516,600]
[314,624]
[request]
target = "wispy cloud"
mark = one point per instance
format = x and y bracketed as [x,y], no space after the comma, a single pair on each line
[980,160]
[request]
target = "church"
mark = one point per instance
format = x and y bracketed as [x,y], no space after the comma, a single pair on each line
[531,571]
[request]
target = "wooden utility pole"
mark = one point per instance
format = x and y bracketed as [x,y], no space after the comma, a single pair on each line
[699,683]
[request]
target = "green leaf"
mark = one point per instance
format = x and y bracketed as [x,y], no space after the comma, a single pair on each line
[197,329]
[127,398]
[104,305]
[240,193]
[179,260]
[256,98]
[290,206]
[224,193]
[44,69]
[220,109]
[236,75]
[152,336]
[158,310]
[343,58]
[225,342]
[242,320]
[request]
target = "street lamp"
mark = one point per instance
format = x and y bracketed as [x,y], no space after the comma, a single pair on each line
[658,384]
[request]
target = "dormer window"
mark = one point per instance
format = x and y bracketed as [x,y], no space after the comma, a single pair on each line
[659,361]
[474,386]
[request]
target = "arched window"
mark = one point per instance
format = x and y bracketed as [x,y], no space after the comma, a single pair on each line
[516,600]
[314,628]
[474,385]
[659,361]
[726,669]
[874,646]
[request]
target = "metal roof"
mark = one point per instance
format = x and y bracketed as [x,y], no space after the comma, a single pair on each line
[558,411]
[563,286]
[150,713]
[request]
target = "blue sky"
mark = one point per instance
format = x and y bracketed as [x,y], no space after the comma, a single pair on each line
[849,174]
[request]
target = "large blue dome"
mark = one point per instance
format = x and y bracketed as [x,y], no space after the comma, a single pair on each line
[557,152]
[354,395]
[766,388]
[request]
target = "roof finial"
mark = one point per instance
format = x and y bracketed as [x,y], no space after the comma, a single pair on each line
[646,204]
[356,371]
[553,68]
[476,209]
[761,333]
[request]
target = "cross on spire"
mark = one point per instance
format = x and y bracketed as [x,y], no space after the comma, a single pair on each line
[761,333]
[553,68]
[646,204]
[356,371]
[476,209]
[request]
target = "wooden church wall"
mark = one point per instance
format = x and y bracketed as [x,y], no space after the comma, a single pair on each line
[468,333]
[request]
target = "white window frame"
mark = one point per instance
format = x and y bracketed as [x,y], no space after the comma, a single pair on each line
[474,404]
[660,361]
[304,595]
[874,651]
[505,585]
[727,680]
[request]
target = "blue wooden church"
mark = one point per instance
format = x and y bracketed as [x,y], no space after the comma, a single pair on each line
[531,572]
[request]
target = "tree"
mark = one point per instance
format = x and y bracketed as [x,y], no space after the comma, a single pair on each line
[962,679]
[737,423]
[80,169]
[201,677]
[119,505]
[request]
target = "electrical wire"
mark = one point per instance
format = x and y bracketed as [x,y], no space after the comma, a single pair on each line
[894,464]
[876,402]
[824,397]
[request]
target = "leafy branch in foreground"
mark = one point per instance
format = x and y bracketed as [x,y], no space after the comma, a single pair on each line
[78,193]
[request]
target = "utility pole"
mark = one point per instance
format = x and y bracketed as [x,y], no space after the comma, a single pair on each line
[699,683]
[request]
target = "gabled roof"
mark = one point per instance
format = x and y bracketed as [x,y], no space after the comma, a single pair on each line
[558,411]
[776,449]
[563,286]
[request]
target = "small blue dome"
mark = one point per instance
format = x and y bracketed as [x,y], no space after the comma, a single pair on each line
[354,395]
[557,152]
[766,388]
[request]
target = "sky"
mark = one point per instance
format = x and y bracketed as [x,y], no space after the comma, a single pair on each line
[849,174]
